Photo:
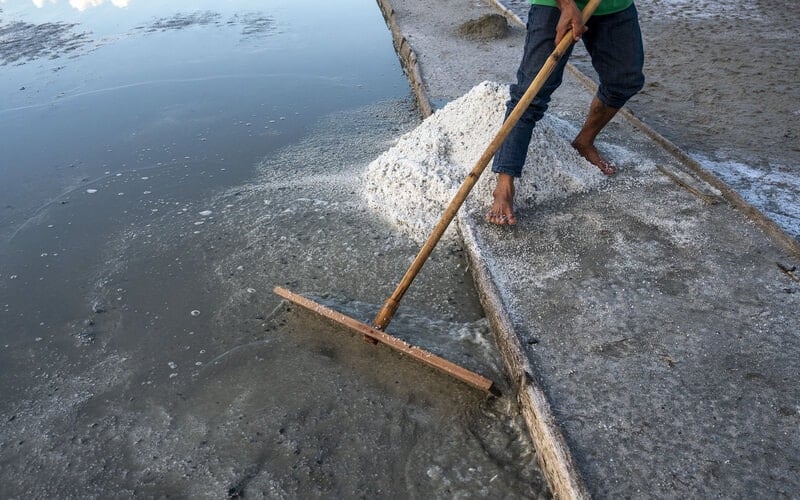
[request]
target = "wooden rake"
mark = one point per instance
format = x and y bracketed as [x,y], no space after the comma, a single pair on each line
[376,331]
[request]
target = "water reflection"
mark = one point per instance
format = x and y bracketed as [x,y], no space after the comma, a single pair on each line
[82,5]
[106,90]
[24,41]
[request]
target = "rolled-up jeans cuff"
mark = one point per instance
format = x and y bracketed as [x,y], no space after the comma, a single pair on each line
[504,170]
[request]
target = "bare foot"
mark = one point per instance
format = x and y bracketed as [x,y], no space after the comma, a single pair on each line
[502,211]
[594,157]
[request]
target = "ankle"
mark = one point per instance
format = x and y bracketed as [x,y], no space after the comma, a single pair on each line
[505,182]
[581,142]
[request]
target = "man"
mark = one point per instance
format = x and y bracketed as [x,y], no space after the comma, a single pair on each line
[614,41]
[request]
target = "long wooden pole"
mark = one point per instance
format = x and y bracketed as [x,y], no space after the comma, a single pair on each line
[386,313]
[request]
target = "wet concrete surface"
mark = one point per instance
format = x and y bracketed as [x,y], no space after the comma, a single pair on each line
[661,328]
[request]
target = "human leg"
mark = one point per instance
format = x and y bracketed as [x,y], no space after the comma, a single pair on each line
[539,44]
[598,117]
[510,157]
[614,43]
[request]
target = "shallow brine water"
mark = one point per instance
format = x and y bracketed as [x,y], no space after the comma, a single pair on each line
[162,168]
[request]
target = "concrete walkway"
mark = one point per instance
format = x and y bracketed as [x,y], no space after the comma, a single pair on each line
[649,327]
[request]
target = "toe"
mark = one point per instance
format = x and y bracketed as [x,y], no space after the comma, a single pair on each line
[607,167]
[500,219]
[495,218]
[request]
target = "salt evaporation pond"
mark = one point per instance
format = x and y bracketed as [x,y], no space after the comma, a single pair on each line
[162,168]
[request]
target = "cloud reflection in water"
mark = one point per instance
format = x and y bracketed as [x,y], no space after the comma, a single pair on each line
[82,5]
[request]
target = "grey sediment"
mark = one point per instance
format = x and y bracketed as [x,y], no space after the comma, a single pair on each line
[710,325]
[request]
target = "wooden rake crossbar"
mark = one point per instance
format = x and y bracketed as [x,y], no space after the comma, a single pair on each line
[376,331]
[428,358]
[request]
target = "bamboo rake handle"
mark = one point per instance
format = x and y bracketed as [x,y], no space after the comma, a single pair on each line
[392,303]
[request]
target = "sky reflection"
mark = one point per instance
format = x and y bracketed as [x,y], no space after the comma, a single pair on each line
[118,89]
[81,5]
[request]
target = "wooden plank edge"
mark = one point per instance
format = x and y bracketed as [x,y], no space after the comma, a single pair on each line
[408,59]
[706,198]
[507,13]
[554,456]
[448,367]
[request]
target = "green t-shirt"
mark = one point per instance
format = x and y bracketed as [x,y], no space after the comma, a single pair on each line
[605,7]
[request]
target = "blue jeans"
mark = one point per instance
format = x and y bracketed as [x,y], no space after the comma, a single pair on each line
[614,42]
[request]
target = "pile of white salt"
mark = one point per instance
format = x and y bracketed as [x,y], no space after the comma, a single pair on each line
[412,183]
